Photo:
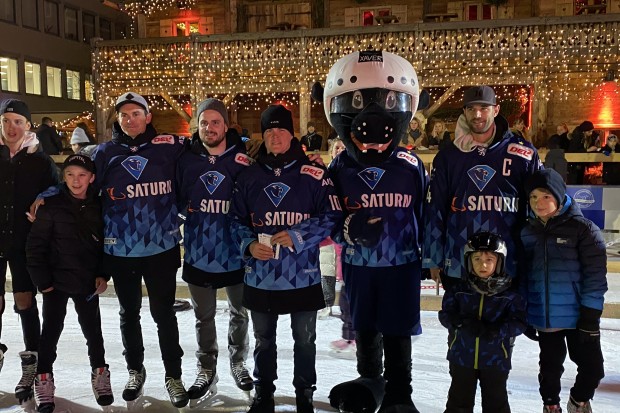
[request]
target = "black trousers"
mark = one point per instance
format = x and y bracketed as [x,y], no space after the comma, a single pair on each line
[54,312]
[21,283]
[587,356]
[462,393]
[161,286]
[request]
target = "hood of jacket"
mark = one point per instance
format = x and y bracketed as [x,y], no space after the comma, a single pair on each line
[464,139]
[30,143]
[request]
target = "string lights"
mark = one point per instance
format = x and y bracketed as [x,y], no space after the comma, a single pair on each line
[150,7]
[563,57]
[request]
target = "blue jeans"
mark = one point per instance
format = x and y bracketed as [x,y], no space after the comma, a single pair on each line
[303,325]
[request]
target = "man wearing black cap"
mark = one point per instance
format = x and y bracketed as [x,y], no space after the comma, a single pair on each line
[26,171]
[578,144]
[312,140]
[141,236]
[206,176]
[476,185]
[282,208]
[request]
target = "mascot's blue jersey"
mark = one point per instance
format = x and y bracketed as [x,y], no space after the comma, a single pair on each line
[394,191]
[481,190]
[299,198]
[138,193]
[206,185]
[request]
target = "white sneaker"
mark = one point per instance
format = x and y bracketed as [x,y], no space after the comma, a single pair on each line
[324,313]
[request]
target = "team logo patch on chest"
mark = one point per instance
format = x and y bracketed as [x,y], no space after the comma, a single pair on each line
[276,192]
[481,175]
[135,165]
[212,180]
[371,176]
[520,150]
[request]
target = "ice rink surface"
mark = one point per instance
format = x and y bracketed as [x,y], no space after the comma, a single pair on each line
[430,368]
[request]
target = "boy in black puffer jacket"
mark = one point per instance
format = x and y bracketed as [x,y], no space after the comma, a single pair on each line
[481,315]
[64,252]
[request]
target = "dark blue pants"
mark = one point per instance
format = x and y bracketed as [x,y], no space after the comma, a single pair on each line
[384,299]
[161,287]
[54,312]
[587,356]
[303,326]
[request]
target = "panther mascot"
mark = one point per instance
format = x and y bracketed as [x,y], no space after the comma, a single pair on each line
[369,98]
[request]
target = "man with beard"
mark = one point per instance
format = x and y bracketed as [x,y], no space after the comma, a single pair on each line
[370,98]
[477,184]
[206,176]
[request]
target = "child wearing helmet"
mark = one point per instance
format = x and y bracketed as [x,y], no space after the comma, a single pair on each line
[564,282]
[481,314]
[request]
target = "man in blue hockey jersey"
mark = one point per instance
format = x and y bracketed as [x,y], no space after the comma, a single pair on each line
[206,176]
[136,172]
[282,208]
[476,185]
[369,99]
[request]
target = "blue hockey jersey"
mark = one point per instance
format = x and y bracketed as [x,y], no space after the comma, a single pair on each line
[480,190]
[395,192]
[299,198]
[137,181]
[206,186]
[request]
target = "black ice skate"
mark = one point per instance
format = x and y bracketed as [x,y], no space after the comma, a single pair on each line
[44,392]
[176,392]
[3,350]
[362,395]
[242,377]
[100,380]
[23,390]
[263,403]
[204,388]
[133,388]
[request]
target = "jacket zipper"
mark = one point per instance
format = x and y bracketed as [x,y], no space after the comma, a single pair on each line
[478,338]
[547,318]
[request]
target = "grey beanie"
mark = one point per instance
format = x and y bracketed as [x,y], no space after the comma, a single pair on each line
[213,104]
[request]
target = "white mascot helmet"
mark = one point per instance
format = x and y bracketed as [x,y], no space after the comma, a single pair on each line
[366,70]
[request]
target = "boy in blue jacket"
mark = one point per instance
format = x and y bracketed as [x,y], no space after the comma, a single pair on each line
[481,315]
[564,283]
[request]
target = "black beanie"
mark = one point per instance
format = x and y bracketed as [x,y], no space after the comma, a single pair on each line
[586,126]
[213,104]
[550,180]
[277,116]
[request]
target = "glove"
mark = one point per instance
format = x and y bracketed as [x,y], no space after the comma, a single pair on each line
[531,333]
[588,325]
[363,229]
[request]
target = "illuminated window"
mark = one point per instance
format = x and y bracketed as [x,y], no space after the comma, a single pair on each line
[73,84]
[30,15]
[51,17]
[7,10]
[33,78]
[187,27]
[88,88]
[478,11]
[54,79]
[8,74]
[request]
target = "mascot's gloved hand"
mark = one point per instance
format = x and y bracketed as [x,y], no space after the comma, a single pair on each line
[531,333]
[363,229]
[588,325]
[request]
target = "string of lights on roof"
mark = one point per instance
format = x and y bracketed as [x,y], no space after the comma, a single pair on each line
[150,7]
[563,57]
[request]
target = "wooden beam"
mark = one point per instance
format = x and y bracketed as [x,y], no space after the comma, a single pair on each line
[175,105]
[429,112]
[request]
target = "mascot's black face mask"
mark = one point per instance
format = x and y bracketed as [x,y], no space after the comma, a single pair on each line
[371,122]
